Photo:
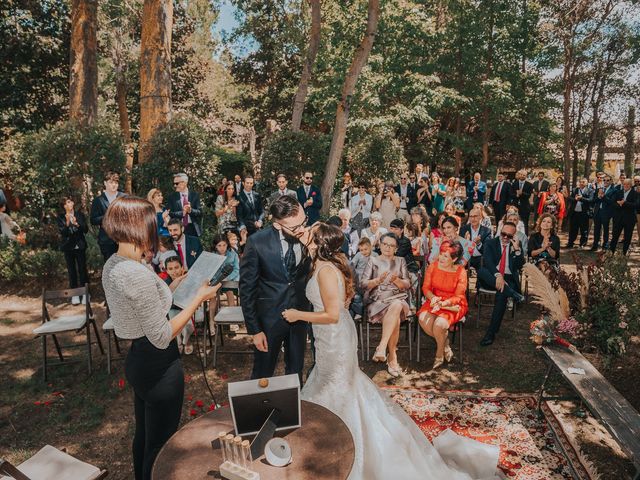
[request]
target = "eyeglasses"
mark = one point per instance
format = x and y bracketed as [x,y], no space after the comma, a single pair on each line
[390,245]
[296,228]
[506,235]
[308,178]
[175,184]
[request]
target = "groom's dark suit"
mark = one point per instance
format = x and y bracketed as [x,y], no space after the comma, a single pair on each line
[265,292]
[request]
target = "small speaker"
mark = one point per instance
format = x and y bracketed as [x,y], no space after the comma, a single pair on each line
[278,452]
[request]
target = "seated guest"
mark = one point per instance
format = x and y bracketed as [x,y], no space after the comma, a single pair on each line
[385,281]
[404,248]
[544,244]
[155,197]
[519,224]
[345,217]
[165,251]
[337,222]
[485,220]
[139,302]
[237,240]
[222,247]
[188,247]
[420,219]
[450,232]
[502,261]
[513,217]
[226,208]
[359,263]
[411,231]
[175,275]
[436,226]
[444,287]
[72,226]
[477,234]
[184,205]
[450,211]
[373,232]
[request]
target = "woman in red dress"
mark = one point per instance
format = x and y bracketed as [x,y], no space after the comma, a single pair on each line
[444,287]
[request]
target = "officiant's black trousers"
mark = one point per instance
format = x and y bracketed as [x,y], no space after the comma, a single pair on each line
[294,338]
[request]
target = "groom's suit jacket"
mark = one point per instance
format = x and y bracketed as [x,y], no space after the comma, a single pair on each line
[265,289]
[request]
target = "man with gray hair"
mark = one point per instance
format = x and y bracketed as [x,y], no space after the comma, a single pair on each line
[184,204]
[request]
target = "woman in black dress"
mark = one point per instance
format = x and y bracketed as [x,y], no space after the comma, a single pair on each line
[544,244]
[72,225]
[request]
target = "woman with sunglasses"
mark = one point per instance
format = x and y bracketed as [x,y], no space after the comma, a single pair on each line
[386,283]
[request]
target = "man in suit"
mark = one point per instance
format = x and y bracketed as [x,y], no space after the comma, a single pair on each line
[404,248]
[250,211]
[583,198]
[310,198]
[281,181]
[624,216]
[407,194]
[188,247]
[500,195]
[273,277]
[184,204]
[476,191]
[621,180]
[502,261]
[521,191]
[98,209]
[477,234]
[603,213]
[347,191]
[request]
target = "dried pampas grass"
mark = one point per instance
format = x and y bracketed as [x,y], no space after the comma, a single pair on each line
[553,300]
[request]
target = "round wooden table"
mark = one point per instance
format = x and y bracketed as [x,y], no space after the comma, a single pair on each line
[321,449]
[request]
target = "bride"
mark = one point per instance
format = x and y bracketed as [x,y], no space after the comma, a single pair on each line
[388,444]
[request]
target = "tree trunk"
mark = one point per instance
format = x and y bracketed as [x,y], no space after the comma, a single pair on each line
[155,70]
[83,62]
[125,127]
[485,111]
[307,70]
[342,111]
[602,144]
[629,148]
[566,111]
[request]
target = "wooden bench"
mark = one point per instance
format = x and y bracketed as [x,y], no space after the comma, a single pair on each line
[605,402]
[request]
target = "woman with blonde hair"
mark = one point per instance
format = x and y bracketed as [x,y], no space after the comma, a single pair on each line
[162,214]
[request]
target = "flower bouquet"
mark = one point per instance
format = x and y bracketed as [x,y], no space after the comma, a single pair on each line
[556,317]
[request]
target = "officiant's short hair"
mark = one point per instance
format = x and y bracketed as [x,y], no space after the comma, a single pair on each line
[284,207]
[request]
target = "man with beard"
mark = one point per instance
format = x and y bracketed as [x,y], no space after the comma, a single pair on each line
[188,247]
[273,277]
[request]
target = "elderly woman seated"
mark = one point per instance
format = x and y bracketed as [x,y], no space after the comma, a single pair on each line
[374,232]
[444,287]
[544,244]
[385,282]
[450,228]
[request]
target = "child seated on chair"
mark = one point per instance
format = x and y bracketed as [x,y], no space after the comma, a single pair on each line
[165,251]
[359,262]
[222,247]
[175,275]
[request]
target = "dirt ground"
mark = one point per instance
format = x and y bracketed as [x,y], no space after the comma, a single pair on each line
[92,415]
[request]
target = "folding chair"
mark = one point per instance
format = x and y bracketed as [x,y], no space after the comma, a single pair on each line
[485,292]
[49,464]
[226,316]
[108,330]
[66,323]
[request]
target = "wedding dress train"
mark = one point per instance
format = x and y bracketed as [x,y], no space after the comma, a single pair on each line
[388,444]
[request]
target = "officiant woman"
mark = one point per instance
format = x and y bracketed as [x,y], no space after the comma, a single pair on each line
[139,302]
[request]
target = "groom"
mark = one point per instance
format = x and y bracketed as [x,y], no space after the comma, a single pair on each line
[273,277]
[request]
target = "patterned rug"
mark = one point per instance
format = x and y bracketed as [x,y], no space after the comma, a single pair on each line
[531,447]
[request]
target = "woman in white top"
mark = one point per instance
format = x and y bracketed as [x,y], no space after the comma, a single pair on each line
[387,203]
[373,233]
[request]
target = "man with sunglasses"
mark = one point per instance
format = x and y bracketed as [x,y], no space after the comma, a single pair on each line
[310,198]
[273,277]
[502,260]
[184,204]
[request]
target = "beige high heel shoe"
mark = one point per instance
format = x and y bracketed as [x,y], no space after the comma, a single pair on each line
[438,363]
[379,356]
[448,354]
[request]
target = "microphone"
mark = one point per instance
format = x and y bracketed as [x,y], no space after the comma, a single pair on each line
[221,274]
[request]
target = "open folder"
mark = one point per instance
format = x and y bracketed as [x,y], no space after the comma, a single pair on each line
[205,269]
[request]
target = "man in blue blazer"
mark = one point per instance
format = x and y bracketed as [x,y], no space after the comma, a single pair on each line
[603,213]
[476,191]
[251,209]
[273,275]
[478,234]
[310,198]
[184,204]
[502,261]
[188,247]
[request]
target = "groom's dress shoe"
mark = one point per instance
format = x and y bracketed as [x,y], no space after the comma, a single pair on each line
[487,340]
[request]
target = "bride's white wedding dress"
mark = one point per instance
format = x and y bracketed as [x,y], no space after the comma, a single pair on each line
[388,444]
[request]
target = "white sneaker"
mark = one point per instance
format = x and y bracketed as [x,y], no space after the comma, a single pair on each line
[75,300]
[84,300]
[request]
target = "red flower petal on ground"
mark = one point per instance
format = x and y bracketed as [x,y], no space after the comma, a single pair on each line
[199,403]
[57,394]
[224,376]
[37,402]
[192,412]
[189,397]
[47,403]
[121,383]
[211,407]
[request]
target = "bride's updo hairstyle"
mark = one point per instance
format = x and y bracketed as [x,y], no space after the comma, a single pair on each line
[329,240]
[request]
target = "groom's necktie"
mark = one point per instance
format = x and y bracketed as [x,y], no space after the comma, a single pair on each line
[290,261]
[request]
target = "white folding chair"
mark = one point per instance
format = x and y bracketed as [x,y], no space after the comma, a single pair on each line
[51,464]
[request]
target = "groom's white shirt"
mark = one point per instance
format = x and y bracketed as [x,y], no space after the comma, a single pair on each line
[297,248]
